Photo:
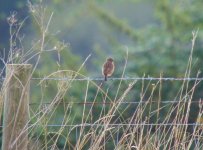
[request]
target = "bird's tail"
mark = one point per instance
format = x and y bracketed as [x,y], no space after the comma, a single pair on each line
[105,78]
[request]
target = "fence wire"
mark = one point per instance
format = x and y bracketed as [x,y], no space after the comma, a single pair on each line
[112,79]
[120,124]
[124,78]
[112,103]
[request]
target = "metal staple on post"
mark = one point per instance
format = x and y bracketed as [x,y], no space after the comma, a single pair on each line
[16,107]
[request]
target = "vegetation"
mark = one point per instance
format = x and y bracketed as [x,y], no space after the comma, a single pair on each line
[91,114]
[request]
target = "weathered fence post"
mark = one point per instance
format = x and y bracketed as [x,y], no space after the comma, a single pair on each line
[16,107]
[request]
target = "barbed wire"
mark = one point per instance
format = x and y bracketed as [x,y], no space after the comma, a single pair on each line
[136,124]
[112,79]
[111,103]
[124,78]
[118,124]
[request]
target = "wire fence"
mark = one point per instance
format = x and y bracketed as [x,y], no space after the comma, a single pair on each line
[121,124]
[76,128]
[118,125]
[124,78]
[112,79]
[135,102]
[112,103]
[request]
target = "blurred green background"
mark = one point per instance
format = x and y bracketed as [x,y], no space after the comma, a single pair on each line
[157,34]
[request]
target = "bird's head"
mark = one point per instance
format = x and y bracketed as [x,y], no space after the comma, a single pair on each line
[109,59]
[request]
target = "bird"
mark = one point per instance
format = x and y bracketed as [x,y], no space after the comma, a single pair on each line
[108,68]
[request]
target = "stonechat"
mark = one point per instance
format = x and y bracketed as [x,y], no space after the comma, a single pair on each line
[108,68]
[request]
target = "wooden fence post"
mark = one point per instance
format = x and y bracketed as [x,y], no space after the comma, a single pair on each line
[16,107]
